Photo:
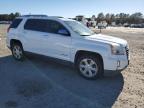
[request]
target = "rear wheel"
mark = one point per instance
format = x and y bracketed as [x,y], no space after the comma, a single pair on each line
[17,51]
[90,66]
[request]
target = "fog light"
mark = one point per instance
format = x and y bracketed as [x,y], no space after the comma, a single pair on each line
[118,63]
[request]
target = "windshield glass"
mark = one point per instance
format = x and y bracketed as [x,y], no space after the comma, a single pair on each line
[79,28]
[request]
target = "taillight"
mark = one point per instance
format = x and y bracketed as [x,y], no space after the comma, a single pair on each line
[8,29]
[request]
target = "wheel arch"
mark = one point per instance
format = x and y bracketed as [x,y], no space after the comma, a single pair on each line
[83,52]
[14,41]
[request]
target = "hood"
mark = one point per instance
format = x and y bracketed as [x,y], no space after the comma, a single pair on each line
[107,39]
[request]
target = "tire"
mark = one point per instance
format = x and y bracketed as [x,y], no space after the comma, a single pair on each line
[17,51]
[90,67]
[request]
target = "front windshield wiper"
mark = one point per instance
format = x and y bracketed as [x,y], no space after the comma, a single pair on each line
[85,35]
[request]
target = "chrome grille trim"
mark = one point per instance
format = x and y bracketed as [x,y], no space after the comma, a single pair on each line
[127,52]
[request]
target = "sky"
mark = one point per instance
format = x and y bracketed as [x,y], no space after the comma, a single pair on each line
[71,8]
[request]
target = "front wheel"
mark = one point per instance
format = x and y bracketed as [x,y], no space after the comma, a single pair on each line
[90,67]
[17,52]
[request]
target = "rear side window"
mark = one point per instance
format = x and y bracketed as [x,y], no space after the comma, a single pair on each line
[43,25]
[15,23]
[36,25]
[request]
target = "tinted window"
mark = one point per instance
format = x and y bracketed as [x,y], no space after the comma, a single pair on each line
[54,26]
[15,23]
[36,25]
[43,25]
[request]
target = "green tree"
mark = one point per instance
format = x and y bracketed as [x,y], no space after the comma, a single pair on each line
[12,16]
[113,18]
[136,18]
[108,18]
[17,14]
[100,17]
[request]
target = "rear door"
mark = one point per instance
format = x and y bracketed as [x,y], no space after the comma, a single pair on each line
[35,37]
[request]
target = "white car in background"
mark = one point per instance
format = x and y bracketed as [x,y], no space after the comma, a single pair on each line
[102,25]
[67,40]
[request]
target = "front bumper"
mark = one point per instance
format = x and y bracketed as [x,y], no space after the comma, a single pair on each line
[121,65]
[118,63]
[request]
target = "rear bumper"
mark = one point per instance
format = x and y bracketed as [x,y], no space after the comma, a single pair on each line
[8,42]
[8,47]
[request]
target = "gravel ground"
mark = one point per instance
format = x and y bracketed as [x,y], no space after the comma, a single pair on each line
[132,94]
[40,82]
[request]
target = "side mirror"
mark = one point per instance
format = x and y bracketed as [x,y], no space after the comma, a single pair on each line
[64,32]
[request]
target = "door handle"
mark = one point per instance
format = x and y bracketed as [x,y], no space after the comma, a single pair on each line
[45,35]
[25,32]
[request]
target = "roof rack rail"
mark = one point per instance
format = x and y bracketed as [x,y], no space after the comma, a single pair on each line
[34,16]
[57,16]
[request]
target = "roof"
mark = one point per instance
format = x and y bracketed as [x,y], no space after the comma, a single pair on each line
[34,16]
[66,19]
[45,17]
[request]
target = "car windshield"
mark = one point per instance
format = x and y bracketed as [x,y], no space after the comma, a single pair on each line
[79,28]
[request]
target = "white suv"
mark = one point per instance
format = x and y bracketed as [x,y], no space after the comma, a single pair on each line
[67,40]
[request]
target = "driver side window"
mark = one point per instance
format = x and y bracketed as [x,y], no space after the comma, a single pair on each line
[55,27]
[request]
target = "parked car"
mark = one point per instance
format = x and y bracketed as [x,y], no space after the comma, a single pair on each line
[81,19]
[137,25]
[5,22]
[93,24]
[142,25]
[102,25]
[126,25]
[68,40]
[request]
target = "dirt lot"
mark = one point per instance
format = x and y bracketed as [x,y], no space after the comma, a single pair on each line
[40,82]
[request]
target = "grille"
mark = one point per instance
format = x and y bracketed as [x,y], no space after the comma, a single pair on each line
[127,52]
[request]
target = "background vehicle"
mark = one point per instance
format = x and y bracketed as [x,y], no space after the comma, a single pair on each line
[102,25]
[81,19]
[67,40]
[137,25]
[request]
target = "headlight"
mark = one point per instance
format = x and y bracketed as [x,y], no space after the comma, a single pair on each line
[117,49]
